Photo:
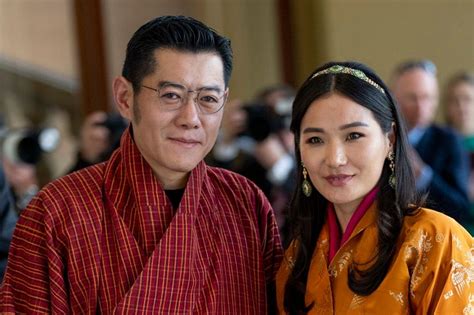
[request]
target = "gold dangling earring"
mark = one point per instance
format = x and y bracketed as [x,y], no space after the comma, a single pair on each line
[306,185]
[392,180]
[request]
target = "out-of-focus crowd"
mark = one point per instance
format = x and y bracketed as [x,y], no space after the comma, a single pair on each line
[255,141]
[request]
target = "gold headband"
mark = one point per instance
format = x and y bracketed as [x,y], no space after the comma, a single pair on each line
[354,72]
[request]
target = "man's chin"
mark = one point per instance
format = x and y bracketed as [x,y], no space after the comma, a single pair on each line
[185,166]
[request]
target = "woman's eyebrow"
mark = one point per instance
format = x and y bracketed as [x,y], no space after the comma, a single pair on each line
[345,126]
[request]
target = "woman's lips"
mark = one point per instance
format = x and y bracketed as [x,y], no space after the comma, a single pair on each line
[338,180]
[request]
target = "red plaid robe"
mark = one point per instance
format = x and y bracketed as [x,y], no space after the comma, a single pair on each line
[106,240]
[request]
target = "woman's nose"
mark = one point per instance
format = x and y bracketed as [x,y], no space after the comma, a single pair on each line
[335,155]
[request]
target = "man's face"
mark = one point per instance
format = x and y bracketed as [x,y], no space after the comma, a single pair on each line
[174,142]
[460,107]
[417,94]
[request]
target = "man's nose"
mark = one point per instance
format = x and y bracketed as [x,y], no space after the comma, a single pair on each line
[188,115]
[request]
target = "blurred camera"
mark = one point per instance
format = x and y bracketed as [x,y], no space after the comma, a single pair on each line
[263,120]
[28,145]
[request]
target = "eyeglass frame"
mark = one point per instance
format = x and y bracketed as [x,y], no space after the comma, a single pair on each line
[196,101]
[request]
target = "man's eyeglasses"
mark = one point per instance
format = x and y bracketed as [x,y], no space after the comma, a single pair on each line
[173,97]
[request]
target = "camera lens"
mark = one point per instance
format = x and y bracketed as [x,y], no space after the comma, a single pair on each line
[27,146]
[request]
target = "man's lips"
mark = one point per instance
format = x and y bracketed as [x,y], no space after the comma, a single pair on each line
[338,180]
[186,141]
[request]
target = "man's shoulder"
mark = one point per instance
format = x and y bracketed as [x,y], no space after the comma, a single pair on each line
[437,136]
[231,185]
[442,132]
[223,176]
[85,181]
[69,201]
[238,193]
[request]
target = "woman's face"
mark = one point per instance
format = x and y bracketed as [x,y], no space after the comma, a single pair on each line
[460,107]
[343,148]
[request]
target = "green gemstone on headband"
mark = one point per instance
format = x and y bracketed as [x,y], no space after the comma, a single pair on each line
[359,74]
[336,69]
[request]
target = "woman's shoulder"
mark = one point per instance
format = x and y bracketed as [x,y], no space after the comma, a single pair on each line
[434,223]
[439,257]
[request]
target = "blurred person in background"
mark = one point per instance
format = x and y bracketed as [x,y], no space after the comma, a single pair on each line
[8,218]
[280,98]
[99,136]
[437,154]
[23,180]
[256,142]
[21,151]
[153,229]
[459,113]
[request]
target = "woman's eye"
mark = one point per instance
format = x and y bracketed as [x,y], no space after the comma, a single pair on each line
[314,140]
[354,136]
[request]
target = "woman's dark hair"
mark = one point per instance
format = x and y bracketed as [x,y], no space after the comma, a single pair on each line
[173,32]
[307,215]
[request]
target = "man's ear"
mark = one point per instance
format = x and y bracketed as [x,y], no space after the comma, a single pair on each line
[123,96]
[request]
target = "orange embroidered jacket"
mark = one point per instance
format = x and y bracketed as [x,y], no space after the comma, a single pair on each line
[432,272]
[106,240]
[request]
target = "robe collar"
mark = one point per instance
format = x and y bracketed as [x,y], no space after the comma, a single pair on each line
[336,238]
[127,167]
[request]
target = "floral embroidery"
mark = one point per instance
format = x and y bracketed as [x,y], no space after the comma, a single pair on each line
[448,294]
[461,276]
[323,243]
[397,296]
[439,237]
[470,256]
[290,263]
[469,309]
[332,271]
[290,260]
[457,241]
[357,300]
[344,260]
[341,263]
[470,269]
[424,245]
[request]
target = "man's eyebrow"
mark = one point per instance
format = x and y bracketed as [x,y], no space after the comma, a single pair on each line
[182,87]
[211,87]
[172,84]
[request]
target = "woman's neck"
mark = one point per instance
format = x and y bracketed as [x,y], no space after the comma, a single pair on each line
[345,212]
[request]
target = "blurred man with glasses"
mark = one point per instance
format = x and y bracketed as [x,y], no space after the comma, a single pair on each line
[153,229]
[439,160]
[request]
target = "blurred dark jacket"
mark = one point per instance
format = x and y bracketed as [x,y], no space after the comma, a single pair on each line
[8,218]
[442,149]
